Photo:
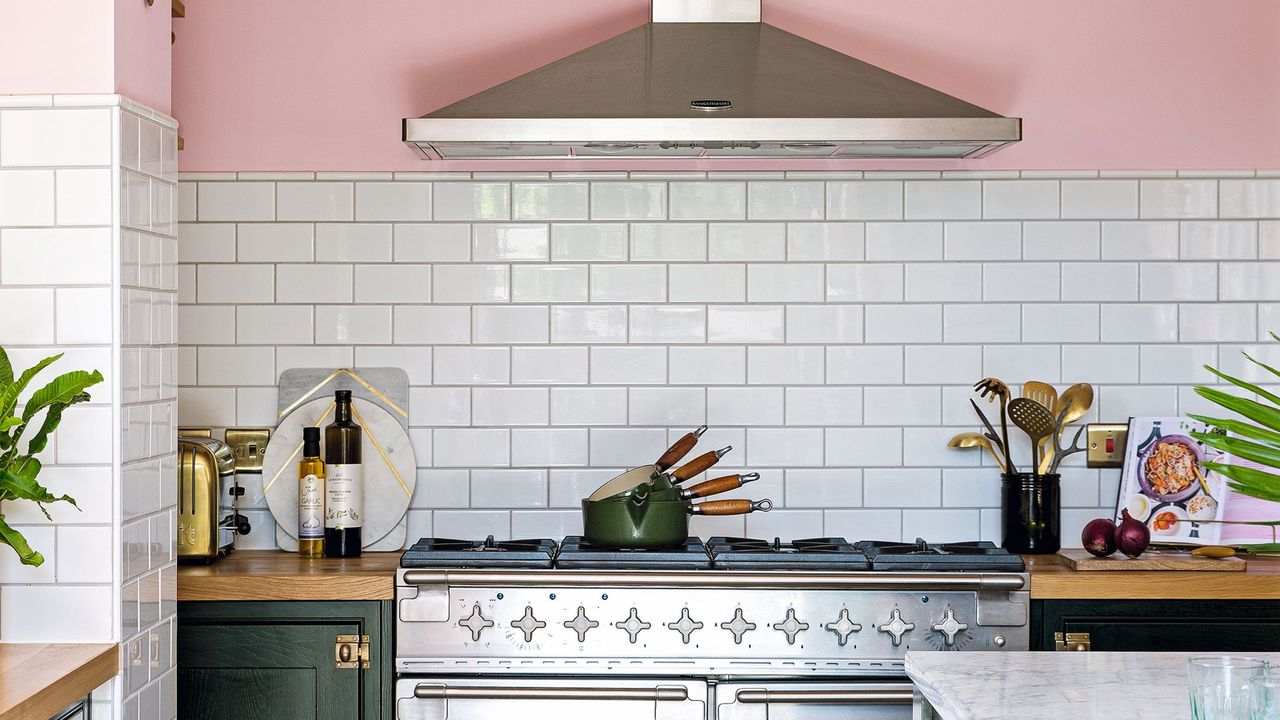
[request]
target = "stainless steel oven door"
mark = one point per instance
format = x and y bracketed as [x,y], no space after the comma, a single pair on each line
[780,700]
[550,698]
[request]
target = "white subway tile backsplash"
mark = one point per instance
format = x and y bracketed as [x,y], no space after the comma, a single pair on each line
[708,200]
[392,201]
[62,256]
[864,200]
[315,201]
[84,197]
[56,137]
[471,201]
[767,304]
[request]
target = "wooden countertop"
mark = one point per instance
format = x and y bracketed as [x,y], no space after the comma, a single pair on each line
[1052,579]
[275,575]
[41,680]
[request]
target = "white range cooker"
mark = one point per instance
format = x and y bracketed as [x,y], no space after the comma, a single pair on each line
[730,629]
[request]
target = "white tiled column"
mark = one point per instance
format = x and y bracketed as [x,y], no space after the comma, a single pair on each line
[88,269]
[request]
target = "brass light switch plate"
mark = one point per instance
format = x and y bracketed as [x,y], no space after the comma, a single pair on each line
[248,445]
[195,432]
[1106,444]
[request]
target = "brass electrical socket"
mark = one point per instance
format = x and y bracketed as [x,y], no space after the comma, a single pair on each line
[248,445]
[195,432]
[1106,444]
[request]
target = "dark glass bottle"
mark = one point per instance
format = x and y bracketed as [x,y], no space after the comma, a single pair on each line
[1031,513]
[344,481]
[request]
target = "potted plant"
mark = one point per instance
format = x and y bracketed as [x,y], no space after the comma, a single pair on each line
[1257,441]
[18,463]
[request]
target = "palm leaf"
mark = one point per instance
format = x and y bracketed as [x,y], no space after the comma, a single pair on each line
[6,369]
[1275,399]
[1262,454]
[1261,364]
[14,539]
[68,389]
[1241,428]
[1248,481]
[1267,416]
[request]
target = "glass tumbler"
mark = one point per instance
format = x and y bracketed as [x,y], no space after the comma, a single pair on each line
[1224,687]
[1268,689]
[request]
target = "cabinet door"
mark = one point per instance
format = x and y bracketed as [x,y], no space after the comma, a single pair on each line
[264,661]
[1162,625]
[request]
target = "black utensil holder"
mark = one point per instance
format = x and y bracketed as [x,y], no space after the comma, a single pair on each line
[1031,513]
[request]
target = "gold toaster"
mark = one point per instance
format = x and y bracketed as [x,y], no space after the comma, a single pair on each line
[206,489]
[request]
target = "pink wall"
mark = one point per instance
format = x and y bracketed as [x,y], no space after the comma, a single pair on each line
[86,46]
[322,84]
[55,47]
[144,63]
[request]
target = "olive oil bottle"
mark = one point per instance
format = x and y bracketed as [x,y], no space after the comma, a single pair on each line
[311,496]
[344,484]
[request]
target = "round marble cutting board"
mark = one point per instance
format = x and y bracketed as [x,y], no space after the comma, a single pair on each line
[390,470]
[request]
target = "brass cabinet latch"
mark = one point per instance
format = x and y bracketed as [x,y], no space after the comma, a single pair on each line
[351,652]
[1075,642]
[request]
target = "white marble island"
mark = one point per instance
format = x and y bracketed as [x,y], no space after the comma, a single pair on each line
[1052,685]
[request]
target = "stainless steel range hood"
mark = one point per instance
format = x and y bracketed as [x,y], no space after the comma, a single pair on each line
[707,78]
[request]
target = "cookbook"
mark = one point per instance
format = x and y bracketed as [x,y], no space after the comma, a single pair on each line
[1164,484]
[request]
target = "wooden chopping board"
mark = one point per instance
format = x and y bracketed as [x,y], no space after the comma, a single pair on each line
[1080,559]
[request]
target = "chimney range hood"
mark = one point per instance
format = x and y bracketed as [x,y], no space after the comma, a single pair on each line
[707,78]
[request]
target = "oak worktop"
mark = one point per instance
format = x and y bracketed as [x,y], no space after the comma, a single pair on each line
[40,680]
[274,575]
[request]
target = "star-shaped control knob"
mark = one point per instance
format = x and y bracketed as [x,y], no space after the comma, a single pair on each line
[738,626]
[791,626]
[950,626]
[581,624]
[685,625]
[475,622]
[896,627]
[633,625]
[528,624]
[843,626]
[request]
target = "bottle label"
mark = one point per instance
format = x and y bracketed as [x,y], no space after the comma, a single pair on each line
[310,508]
[345,493]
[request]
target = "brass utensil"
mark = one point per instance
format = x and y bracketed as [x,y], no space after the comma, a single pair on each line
[991,389]
[1041,392]
[991,434]
[1061,453]
[972,440]
[1076,402]
[1033,419]
[1200,476]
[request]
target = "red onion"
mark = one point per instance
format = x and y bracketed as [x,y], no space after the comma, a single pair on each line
[1132,536]
[1099,537]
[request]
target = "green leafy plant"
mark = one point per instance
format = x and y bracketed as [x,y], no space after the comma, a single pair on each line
[18,464]
[1257,441]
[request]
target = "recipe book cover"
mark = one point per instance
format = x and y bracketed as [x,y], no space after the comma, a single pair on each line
[1164,484]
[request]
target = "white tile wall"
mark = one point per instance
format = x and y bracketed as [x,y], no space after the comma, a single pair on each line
[828,327]
[81,190]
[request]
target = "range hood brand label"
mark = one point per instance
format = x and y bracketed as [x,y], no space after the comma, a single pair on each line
[710,105]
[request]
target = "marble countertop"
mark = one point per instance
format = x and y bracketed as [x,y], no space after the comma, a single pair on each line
[1054,685]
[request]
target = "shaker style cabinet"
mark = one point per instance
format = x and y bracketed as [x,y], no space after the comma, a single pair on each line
[1212,626]
[271,660]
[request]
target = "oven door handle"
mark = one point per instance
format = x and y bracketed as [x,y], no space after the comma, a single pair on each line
[895,695]
[424,691]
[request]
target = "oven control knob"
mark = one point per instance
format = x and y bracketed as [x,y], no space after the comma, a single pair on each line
[896,627]
[843,626]
[633,625]
[475,622]
[685,625]
[950,626]
[738,626]
[528,623]
[581,624]
[791,626]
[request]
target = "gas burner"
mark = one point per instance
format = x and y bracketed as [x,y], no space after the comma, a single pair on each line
[487,553]
[576,552]
[809,554]
[923,556]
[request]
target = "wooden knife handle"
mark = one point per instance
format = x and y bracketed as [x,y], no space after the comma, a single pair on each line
[714,487]
[698,465]
[679,449]
[723,507]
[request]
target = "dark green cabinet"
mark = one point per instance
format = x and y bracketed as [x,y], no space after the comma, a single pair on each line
[272,660]
[1214,626]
